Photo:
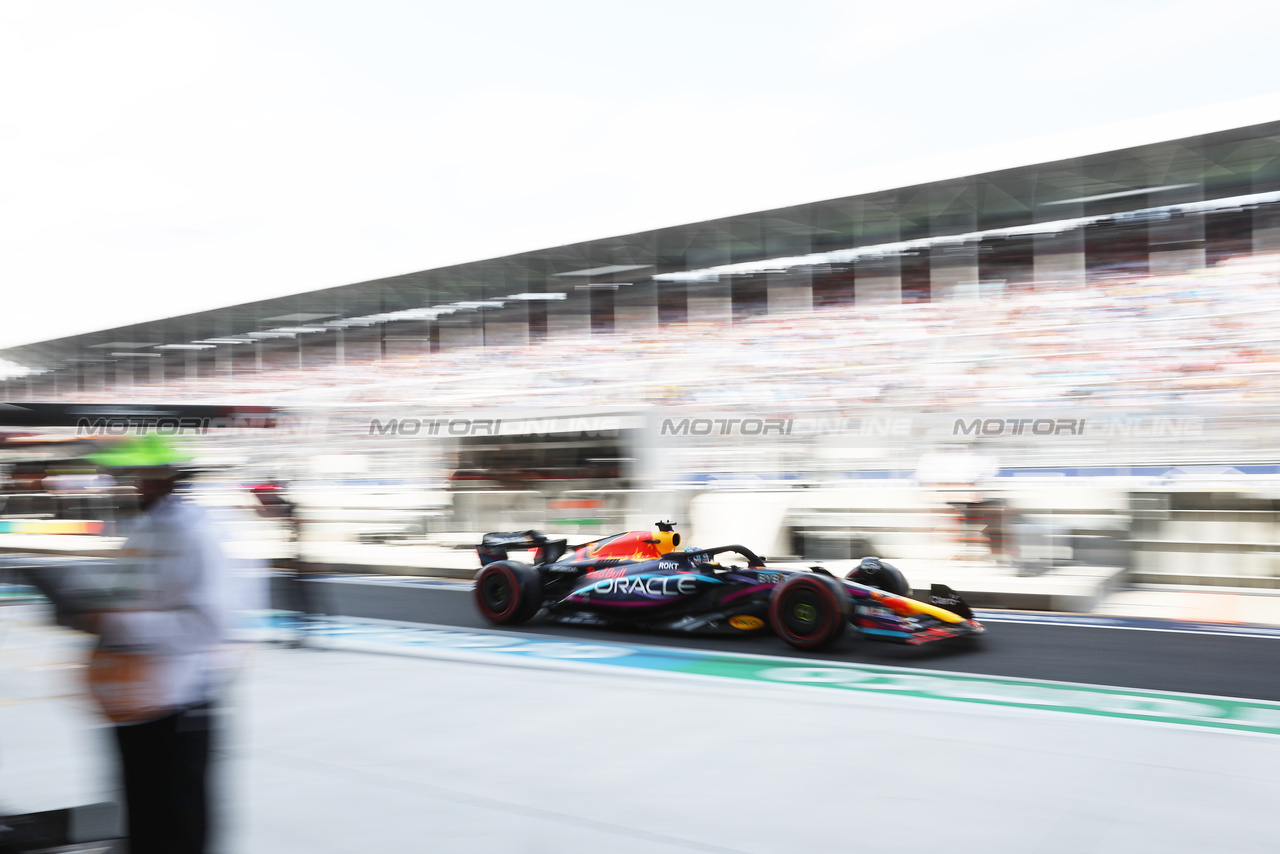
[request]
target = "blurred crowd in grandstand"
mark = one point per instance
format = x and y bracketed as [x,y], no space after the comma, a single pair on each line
[1206,336]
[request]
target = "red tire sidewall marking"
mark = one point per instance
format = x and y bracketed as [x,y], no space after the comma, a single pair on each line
[514,599]
[823,592]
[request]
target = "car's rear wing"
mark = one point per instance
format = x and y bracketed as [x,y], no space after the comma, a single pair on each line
[494,547]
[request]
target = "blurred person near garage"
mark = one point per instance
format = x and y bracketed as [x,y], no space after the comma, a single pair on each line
[296,584]
[154,671]
[959,475]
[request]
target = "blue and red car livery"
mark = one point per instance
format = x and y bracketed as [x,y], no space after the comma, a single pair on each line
[643,580]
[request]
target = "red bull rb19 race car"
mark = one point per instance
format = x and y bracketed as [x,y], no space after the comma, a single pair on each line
[642,580]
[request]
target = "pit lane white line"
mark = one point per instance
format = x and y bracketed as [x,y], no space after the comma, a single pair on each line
[1135,624]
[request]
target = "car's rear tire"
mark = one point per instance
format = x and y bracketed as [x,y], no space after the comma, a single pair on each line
[508,593]
[881,576]
[809,611]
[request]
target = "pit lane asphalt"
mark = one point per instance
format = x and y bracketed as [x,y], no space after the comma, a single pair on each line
[1165,660]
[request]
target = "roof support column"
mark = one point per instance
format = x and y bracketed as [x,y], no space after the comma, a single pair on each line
[790,292]
[635,307]
[506,333]
[407,338]
[223,358]
[603,302]
[1058,259]
[571,317]
[1116,248]
[915,273]
[953,271]
[710,302]
[1005,264]
[1227,234]
[462,330]
[878,281]
[673,304]
[1266,230]
[1176,244]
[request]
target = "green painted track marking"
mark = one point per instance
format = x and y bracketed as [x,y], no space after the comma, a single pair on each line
[1134,704]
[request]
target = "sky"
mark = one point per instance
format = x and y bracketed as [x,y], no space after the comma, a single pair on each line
[166,157]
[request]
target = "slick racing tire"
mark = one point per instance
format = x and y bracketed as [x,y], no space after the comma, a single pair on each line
[508,593]
[883,577]
[809,611]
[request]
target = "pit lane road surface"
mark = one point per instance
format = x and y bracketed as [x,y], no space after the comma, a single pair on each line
[1195,658]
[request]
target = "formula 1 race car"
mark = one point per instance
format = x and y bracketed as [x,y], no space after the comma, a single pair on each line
[640,580]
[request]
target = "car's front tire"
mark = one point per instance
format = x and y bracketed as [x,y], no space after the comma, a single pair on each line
[508,592]
[809,611]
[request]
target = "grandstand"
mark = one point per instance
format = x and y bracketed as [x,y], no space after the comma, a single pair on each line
[1132,291]
[1134,281]
[1196,338]
[1170,208]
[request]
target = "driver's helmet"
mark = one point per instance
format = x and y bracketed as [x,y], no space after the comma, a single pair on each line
[700,558]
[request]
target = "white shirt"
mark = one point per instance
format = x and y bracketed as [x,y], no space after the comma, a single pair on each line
[176,579]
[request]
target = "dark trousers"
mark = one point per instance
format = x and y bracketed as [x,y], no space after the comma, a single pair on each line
[166,772]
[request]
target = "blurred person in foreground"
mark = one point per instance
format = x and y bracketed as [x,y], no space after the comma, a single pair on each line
[153,672]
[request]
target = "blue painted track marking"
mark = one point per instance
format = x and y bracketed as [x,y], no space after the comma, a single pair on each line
[1161,707]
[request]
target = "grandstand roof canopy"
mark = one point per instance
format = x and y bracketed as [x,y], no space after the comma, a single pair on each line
[1223,165]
